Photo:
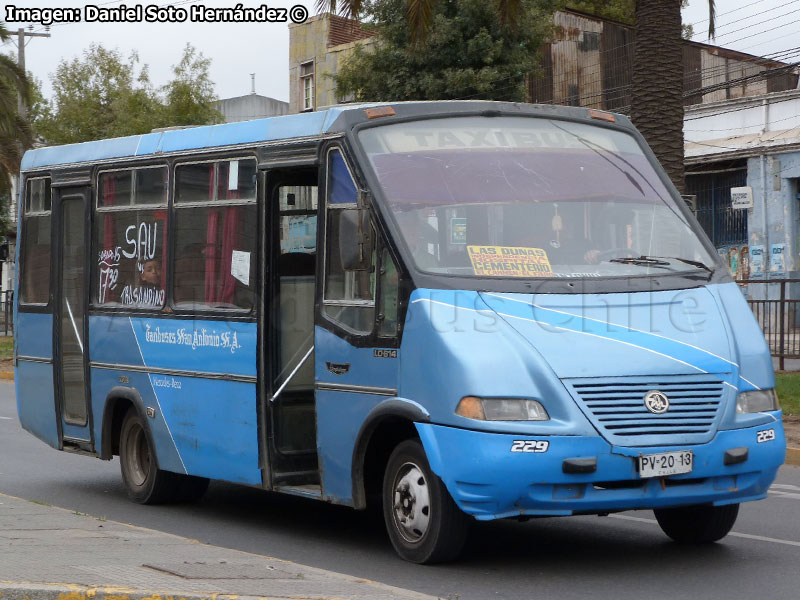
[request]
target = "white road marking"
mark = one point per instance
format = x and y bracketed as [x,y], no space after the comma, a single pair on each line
[780,494]
[747,536]
[784,486]
[7,418]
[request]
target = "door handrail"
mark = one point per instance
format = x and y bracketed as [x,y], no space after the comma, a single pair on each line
[292,374]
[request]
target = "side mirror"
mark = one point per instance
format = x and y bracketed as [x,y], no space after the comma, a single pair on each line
[355,239]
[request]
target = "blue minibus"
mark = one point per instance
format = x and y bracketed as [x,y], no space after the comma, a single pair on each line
[450,310]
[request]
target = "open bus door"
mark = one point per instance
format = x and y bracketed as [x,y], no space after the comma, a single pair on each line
[291,247]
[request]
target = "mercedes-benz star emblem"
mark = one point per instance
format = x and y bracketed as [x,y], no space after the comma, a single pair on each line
[656,402]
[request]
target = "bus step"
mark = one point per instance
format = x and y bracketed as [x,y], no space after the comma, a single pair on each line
[307,491]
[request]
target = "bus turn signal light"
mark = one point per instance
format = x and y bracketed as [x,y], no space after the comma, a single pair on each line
[602,115]
[380,111]
[501,409]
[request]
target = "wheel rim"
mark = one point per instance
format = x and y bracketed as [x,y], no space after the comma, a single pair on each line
[137,459]
[411,503]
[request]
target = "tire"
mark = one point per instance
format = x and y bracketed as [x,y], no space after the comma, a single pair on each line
[144,482]
[697,524]
[424,524]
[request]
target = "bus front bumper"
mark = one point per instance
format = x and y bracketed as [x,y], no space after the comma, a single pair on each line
[489,481]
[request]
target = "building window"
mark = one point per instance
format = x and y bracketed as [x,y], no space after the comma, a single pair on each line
[307,85]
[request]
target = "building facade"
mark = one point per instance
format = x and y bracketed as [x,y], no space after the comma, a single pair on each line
[316,50]
[590,62]
[743,165]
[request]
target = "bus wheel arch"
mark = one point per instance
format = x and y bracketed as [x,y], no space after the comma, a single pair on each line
[118,401]
[121,404]
[387,425]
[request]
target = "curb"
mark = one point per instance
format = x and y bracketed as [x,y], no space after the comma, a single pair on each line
[793,457]
[18,590]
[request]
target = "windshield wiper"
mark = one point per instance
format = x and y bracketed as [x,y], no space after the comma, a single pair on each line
[694,263]
[641,261]
[654,261]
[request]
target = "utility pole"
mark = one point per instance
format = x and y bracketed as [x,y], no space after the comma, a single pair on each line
[21,34]
[6,266]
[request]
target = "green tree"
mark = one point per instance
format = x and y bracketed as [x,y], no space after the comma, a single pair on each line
[15,132]
[190,94]
[468,53]
[102,95]
[617,10]
[99,95]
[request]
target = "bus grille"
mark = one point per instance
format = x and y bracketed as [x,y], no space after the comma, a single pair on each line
[617,409]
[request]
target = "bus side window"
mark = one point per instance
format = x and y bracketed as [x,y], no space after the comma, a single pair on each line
[130,238]
[349,296]
[215,235]
[35,276]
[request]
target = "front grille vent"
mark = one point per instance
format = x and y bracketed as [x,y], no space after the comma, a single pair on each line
[617,407]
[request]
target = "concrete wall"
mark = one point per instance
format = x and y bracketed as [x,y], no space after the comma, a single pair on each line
[776,188]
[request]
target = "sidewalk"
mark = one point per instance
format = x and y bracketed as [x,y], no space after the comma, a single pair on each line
[49,553]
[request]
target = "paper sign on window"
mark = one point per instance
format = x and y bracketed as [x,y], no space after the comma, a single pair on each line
[233,175]
[240,266]
[509,261]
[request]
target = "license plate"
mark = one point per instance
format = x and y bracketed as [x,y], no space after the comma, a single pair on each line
[665,463]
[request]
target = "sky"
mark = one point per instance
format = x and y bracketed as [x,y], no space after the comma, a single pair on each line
[238,49]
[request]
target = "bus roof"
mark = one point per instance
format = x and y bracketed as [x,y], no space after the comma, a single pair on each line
[191,138]
[286,127]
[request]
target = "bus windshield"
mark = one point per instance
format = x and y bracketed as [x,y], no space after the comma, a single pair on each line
[528,197]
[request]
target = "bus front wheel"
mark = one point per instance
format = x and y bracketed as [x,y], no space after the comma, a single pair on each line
[697,524]
[144,482]
[423,522]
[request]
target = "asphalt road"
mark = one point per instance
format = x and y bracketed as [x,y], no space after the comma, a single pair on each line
[622,556]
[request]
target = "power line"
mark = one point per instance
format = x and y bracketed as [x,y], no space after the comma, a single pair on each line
[763,12]
[765,31]
[730,11]
[738,109]
[791,12]
[742,126]
[770,40]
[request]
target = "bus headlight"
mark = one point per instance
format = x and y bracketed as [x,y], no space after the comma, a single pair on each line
[501,409]
[757,401]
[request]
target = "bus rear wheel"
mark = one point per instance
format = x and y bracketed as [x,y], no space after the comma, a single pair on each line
[697,524]
[144,482]
[423,522]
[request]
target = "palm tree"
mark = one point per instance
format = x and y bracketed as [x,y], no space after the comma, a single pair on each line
[657,81]
[15,131]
